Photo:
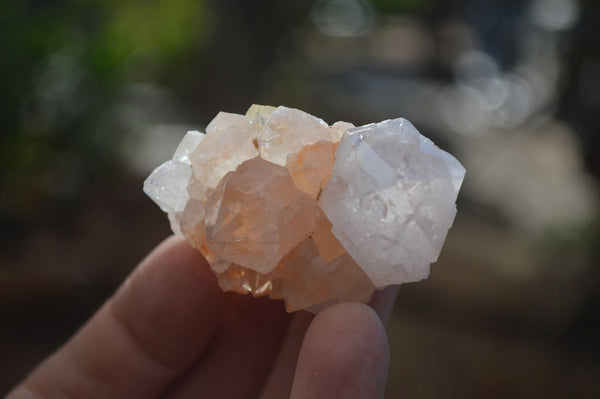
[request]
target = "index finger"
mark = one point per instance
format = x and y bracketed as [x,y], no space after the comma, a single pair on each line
[153,328]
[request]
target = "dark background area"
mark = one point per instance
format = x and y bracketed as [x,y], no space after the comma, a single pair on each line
[93,95]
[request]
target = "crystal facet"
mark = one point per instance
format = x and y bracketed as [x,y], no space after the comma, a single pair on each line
[391,200]
[283,205]
[256,215]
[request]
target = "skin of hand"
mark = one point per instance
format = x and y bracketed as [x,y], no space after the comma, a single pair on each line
[170,332]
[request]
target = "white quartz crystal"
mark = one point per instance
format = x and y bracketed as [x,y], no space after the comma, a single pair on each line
[229,141]
[288,130]
[167,185]
[391,200]
[188,144]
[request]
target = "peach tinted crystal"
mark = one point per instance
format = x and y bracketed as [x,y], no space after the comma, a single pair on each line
[282,205]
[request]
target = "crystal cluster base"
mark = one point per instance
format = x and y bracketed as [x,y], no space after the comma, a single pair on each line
[283,205]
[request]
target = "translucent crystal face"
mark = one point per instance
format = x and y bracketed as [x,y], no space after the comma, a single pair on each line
[391,200]
[257,215]
[281,204]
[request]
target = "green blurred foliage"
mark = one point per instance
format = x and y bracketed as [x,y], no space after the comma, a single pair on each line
[161,30]
[62,65]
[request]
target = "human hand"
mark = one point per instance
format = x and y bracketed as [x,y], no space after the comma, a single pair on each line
[169,331]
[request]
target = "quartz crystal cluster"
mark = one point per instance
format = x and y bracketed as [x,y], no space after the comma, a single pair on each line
[281,204]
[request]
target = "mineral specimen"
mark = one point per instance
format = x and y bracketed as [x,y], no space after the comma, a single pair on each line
[281,204]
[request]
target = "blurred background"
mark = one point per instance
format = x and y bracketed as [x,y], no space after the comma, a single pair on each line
[94,94]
